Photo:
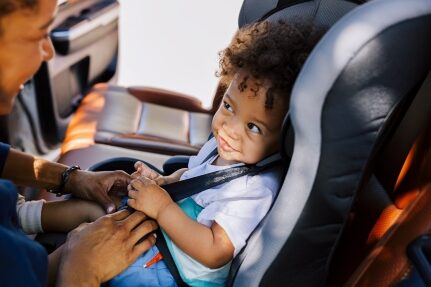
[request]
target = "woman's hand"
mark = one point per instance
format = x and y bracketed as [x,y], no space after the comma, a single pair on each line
[96,252]
[96,186]
[148,197]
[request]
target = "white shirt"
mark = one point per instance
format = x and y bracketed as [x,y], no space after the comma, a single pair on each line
[238,205]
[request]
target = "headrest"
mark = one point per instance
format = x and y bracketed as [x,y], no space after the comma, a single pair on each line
[356,76]
[323,13]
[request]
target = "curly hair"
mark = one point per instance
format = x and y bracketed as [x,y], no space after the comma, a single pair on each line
[272,51]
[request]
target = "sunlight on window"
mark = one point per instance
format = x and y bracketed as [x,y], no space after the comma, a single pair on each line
[174,45]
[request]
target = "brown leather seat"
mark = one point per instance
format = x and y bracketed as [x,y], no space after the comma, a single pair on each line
[87,156]
[141,118]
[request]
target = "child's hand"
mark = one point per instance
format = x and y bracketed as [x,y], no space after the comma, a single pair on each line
[142,170]
[146,196]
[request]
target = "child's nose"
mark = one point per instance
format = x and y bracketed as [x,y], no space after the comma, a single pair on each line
[232,129]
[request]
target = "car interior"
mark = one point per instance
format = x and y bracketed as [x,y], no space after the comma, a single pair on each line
[353,209]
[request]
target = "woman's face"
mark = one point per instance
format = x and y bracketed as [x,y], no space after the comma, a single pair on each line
[24,45]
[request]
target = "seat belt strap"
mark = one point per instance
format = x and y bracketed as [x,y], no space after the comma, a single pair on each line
[186,188]
[167,257]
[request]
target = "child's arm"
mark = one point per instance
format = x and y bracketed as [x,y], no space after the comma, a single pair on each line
[210,246]
[63,216]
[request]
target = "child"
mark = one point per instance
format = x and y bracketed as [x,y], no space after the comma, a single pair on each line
[55,216]
[206,231]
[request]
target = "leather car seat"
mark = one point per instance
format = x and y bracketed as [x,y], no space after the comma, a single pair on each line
[144,118]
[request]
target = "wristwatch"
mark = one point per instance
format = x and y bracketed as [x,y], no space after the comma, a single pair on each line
[59,189]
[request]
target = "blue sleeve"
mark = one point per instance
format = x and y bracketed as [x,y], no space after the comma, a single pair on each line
[23,262]
[4,150]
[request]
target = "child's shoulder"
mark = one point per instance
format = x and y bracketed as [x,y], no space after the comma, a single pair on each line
[207,149]
[270,179]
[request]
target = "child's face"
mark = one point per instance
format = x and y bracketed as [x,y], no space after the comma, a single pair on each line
[244,129]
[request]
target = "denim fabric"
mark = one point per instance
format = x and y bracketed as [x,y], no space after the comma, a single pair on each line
[136,275]
[23,262]
[4,150]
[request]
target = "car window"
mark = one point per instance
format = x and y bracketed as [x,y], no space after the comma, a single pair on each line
[174,44]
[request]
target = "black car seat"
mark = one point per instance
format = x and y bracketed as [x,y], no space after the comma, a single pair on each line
[167,122]
[345,107]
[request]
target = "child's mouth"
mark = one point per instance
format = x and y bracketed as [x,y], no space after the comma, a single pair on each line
[224,145]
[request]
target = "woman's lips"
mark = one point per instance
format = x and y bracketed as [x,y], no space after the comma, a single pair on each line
[224,145]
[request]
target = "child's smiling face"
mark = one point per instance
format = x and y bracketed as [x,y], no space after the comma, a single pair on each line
[245,131]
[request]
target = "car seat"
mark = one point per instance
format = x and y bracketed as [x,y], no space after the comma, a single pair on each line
[346,104]
[167,122]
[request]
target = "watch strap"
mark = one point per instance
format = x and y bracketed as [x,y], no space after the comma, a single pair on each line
[59,190]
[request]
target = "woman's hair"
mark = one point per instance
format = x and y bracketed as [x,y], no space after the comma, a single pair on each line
[271,51]
[9,6]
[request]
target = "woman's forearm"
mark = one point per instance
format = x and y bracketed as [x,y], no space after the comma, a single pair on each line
[210,246]
[24,169]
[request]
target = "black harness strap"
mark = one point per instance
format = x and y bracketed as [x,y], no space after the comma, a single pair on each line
[186,188]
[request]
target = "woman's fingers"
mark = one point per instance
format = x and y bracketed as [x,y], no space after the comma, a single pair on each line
[120,215]
[143,229]
[133,220]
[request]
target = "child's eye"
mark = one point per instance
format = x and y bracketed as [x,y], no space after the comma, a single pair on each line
[227,106]
[253,128]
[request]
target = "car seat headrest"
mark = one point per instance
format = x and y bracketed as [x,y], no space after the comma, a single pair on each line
[356,76]
[323,13]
